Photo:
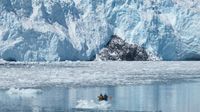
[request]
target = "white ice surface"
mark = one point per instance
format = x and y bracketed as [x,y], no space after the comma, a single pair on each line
[17,75]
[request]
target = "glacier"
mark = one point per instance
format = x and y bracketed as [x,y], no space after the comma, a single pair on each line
[59,30]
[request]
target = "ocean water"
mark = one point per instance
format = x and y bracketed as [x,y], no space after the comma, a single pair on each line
[175,97]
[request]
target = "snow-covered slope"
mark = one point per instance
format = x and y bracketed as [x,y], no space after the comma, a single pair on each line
[46,30]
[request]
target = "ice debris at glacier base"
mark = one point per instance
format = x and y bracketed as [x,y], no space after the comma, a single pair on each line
[43,30]
[96,73]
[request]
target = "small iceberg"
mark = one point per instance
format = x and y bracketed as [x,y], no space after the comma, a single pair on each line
[85,104]
[28,93]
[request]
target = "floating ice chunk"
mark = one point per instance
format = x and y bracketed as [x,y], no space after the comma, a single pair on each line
[28,93]
[85,104]
[104,105]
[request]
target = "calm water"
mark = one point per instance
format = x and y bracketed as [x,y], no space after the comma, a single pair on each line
[178,97]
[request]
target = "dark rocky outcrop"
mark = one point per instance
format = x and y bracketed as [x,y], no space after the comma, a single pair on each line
[118,49]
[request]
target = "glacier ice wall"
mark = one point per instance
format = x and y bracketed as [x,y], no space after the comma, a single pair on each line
[49,30]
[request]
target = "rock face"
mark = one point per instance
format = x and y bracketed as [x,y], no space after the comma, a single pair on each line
[118,49]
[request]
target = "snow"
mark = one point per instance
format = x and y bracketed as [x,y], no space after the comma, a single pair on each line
[169,29]
[168,19]
[97,73]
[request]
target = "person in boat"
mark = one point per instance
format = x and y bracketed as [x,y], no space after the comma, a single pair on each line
[101,97]
[105,97]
